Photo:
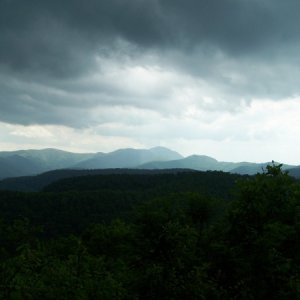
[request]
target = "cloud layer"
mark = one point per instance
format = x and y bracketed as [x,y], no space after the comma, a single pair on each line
[131,70]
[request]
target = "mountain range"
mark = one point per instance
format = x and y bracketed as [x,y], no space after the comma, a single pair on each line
[33,162]
[205,163]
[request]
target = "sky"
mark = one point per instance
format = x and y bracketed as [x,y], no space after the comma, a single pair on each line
[212,77]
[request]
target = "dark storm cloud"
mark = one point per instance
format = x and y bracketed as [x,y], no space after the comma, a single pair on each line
[60,37]
[47,47]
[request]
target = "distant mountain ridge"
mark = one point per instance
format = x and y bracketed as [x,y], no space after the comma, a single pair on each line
[16,165]
[33,162]
[36,183]
[128,158]
[205,163]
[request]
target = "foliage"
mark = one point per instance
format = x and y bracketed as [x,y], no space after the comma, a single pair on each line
[180,244]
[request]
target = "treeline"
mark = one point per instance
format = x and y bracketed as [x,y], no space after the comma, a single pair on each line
[36,183]
[68,206]
[169,242]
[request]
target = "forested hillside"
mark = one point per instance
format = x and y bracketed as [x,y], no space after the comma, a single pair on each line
[38,182]
[189,235]
[69,205]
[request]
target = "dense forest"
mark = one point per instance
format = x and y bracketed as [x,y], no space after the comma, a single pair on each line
[186,235]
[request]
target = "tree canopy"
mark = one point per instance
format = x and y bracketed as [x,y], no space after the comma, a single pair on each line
[175,245]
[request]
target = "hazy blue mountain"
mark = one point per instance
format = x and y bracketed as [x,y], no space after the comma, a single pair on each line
[49,159]
[249,168]
[196,162]
[29,162]
[205,163]
[16,165]
[128,158]
[254,168]
[295,172]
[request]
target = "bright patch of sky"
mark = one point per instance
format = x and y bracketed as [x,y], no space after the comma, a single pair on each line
[220,78]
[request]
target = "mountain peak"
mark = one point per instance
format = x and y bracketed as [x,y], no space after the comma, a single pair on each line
[202,158]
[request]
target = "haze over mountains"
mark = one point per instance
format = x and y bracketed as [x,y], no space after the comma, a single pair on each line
[32,162]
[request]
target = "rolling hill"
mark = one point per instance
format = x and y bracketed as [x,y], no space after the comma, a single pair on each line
[205,163]
[38,182]
[33,162]
[30,162]
[16,165]
[128,158]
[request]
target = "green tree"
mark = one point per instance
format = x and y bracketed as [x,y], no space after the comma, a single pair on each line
[262,238]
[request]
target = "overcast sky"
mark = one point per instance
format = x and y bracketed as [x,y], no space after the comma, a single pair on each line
[213,77]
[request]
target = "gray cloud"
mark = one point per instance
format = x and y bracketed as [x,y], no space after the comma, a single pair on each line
[230,51]
[61,36]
